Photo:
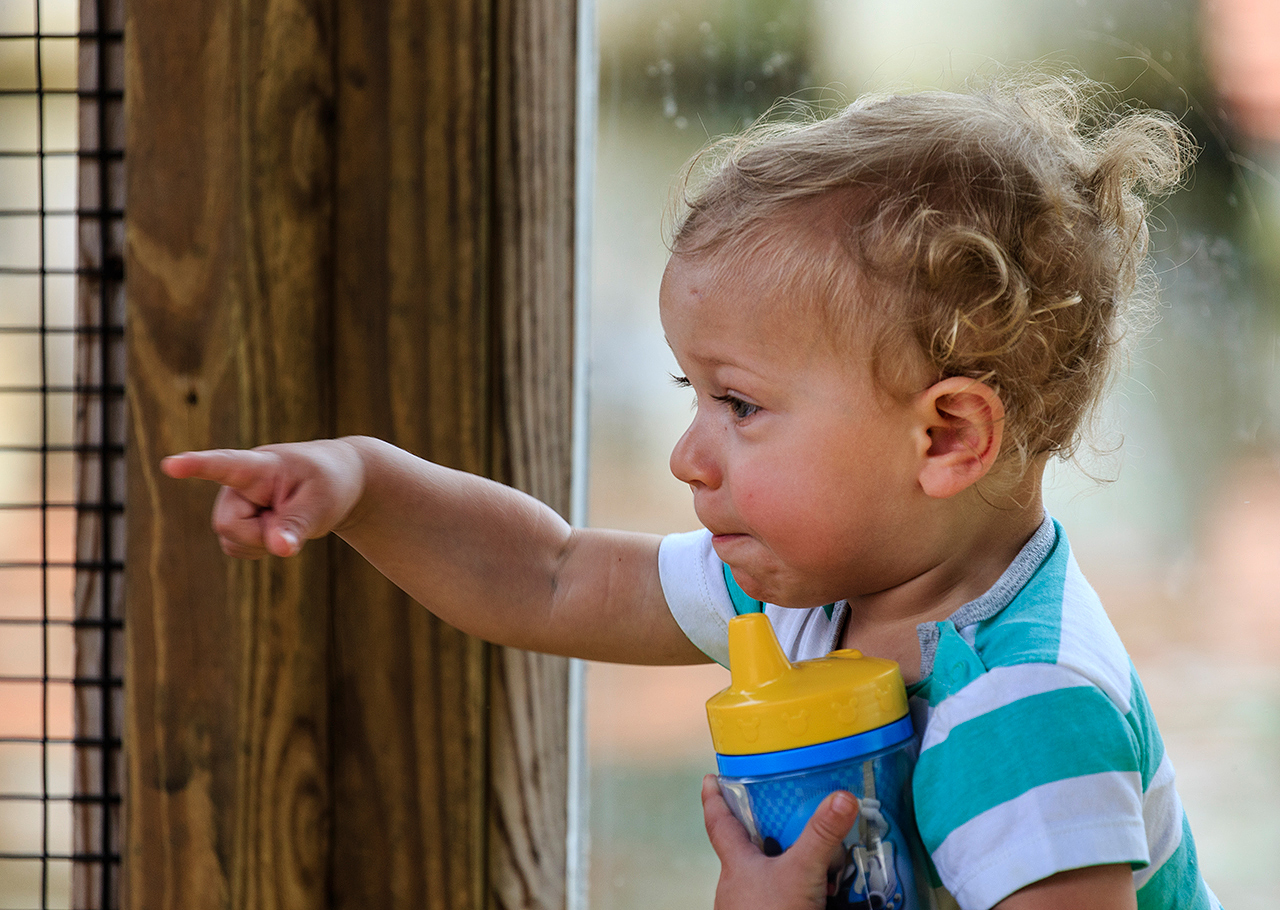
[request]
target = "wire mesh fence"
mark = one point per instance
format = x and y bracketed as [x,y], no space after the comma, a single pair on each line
[61,452]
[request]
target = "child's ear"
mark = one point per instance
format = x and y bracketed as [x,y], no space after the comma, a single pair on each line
[962,422]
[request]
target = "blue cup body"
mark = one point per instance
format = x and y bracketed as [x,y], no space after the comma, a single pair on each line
[774,794]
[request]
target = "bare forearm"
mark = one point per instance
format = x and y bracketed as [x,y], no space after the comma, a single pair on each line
[465,547]
[498,564]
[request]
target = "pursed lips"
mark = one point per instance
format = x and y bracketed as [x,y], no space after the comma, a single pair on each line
[721,541]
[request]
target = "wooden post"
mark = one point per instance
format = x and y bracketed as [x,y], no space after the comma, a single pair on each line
[343,217]
[229,238]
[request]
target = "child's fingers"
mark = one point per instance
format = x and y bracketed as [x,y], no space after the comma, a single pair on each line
[725,832]
[239,524]
[238,468]
[282,535]
[826,829]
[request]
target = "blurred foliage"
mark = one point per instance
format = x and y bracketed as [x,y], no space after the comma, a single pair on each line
[720,61]
[717,65]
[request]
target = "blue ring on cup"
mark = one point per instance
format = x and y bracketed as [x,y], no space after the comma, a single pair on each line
[815,756]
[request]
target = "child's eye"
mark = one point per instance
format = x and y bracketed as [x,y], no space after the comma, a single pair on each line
[741,409]
[682,382]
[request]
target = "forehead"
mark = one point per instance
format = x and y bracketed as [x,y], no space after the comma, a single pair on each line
[738,313]
[740,291]
[783,300]
[767,281]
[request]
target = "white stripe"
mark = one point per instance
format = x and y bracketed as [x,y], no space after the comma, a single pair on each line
[1066,824]
[1162,810]
[1089,643]
[804,634]
[996,689]
[693,584]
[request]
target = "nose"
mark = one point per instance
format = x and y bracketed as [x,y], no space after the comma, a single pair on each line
[693,460]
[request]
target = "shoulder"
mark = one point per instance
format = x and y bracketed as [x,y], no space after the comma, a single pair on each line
[1036,746]
[1044,611]
[1042,679]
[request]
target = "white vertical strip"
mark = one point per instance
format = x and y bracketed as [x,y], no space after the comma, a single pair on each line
[578,834]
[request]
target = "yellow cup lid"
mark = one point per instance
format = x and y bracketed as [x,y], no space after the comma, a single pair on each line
[773,704]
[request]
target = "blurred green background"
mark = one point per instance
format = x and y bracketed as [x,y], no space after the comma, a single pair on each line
[1174,513]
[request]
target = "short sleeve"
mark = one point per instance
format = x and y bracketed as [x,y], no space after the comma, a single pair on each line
[692,578]
[1026,771]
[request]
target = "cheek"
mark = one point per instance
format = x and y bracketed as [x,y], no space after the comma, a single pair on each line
[791,510]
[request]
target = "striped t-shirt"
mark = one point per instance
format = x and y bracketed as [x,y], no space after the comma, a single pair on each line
[1038,750]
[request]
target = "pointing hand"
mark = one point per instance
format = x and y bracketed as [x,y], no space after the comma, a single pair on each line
[276,497]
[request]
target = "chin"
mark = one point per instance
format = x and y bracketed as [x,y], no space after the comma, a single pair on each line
[771,595]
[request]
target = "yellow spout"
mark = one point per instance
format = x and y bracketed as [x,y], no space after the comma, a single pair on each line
[755,657]
[773,704]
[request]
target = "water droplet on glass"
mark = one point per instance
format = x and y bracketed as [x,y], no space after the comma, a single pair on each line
[777,60]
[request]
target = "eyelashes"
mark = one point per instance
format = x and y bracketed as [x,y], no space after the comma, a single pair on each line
[740,409]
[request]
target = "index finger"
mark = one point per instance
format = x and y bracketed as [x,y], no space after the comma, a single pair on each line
[236,468]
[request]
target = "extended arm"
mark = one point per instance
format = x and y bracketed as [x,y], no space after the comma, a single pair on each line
[482,556]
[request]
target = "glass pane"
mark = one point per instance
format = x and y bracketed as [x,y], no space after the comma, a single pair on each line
[1177,528]
[19,119]
[19,182]
[20,884]
[18,59]
[59,16]
[58,60]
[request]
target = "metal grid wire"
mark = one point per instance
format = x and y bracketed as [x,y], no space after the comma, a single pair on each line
[61,452]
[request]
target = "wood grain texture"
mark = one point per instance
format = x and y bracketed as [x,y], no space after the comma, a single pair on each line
[412,365]
[534,180]
[228,255]
[368,229]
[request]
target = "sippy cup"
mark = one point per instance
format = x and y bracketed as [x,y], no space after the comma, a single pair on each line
[786,735]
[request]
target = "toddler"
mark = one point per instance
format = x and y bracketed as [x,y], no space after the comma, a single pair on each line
[890,320]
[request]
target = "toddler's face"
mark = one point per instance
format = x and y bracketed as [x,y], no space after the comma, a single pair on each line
[800,467]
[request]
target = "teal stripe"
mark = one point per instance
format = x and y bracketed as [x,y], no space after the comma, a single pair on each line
[984,762]
[1177,885]
[741,602]
[1144,727]
[955,665]
[1029,629]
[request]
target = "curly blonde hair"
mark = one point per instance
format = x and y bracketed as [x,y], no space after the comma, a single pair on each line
[1000,233]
